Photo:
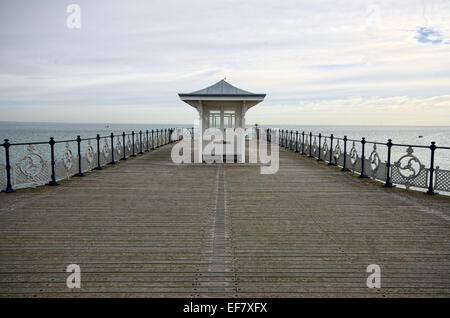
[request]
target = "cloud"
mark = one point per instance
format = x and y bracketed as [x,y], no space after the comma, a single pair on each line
[141,56]
[428,35]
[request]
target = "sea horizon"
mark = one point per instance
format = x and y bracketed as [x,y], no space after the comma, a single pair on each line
[187,125]
[422,136]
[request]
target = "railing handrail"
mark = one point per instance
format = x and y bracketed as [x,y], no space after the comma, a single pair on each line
[429,180]
[159,138]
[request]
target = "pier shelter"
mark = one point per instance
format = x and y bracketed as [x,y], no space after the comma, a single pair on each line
[222,106]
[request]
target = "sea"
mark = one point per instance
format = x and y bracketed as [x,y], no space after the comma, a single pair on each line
[24,132]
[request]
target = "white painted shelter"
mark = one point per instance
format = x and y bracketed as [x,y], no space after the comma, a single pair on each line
[222,106]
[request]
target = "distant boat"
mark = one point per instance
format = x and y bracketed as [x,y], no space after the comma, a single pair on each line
[106,126]
[421,136]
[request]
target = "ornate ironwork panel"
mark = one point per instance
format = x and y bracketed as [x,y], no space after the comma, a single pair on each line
[136,143]
[353,157]
[373,167]
[88,160]
[129,146]
[105,152]
[442,180]
[67,165]
[306,145]
[337,152]
[325,155]
[31,170]
[2,176]
[315,149]
[409,171]
[118,148]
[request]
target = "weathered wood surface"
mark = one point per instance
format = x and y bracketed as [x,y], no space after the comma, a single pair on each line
[150,228]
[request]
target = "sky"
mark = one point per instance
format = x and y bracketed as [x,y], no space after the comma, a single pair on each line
[319,62]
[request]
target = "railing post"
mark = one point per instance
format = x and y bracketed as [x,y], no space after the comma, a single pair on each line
[320,138]
[362,174]
[310,145]
[112,150]
[344,165]
[290,141]
[52,157]
[140,142]
[98,154]
[153,140]
[9,188]
[124,157]
[165,137]
[157,139]
[388,183]
[430,186]
[285,138]
[303,143]
[192,135]
[330,163]
[146,133]
[132,144]
[296,141]
[80,171]
[286,133]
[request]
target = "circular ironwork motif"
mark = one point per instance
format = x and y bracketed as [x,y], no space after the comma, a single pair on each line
[118,145]
[353,154]
[105,148]
[89,153]
[31,164]
[136,143]
[129,144]
[314,147]
[408,165]
[374,159]
[337,152]
[67,157]
[325,147]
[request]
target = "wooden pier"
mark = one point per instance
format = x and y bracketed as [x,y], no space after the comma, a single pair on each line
[150,228]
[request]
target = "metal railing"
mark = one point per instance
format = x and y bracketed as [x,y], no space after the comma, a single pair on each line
[43,167]
[354,155]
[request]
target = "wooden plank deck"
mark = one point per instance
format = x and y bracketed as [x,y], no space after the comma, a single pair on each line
[150,228]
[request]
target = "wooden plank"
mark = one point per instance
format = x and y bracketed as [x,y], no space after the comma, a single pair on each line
[149,228]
